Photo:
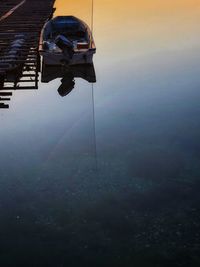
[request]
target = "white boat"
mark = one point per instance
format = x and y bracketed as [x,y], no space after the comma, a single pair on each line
[66,40]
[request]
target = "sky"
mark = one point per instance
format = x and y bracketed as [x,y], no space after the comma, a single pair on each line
[143,26]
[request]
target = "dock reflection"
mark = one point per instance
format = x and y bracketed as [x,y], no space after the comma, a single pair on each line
[24,76]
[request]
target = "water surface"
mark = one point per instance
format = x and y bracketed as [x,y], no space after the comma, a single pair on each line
[118,186]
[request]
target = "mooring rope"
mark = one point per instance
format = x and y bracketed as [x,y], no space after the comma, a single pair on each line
[92,17]
[94,129]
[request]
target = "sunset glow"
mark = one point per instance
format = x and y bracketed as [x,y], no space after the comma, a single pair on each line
[144,25]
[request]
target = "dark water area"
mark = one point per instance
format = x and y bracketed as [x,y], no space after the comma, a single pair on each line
[109,174]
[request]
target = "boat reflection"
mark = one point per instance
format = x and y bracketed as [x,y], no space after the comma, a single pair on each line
[68,73]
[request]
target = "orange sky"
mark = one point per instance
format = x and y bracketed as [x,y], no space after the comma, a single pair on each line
[144,25]
[128,7]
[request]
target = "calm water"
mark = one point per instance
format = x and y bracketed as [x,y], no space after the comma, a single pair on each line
[118,186]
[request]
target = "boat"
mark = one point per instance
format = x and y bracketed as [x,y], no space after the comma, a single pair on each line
[66,40]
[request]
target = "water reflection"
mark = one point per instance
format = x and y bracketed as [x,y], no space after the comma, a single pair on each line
[28,79]
[23,77]
[142,206]
[68,74]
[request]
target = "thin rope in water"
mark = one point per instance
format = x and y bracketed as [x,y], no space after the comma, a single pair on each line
[94,129]
[92,17]
[93,104]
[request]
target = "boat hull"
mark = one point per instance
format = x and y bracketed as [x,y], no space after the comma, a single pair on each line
[53,58]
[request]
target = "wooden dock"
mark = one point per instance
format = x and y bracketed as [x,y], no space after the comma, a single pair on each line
[20,26]
[7,5]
